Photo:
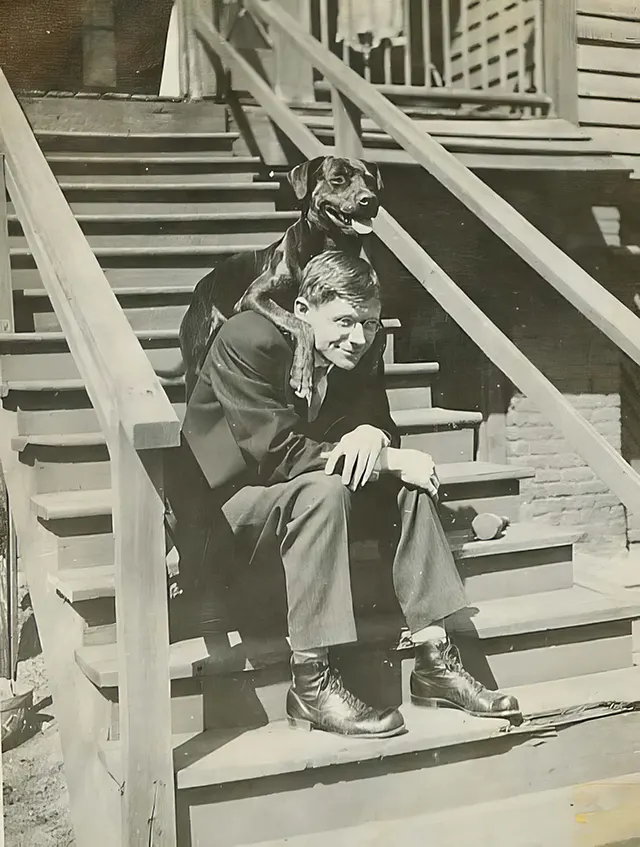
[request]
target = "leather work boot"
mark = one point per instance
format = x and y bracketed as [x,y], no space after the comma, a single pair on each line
[318,700]
[439,680]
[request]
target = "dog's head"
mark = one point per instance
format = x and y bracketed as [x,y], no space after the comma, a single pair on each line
[340,196]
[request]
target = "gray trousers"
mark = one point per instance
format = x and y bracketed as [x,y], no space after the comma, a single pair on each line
[311,518]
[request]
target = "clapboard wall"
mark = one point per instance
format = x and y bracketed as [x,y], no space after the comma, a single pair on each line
[609,74]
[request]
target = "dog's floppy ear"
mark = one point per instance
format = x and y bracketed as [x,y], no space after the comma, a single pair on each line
[300,176]
[374,170]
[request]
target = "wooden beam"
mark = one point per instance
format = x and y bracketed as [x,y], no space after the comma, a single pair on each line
[6,293]
[493,429]
[120,380]
[559,46]
[347,127]
[148,813]
[454,95]
[605,461]
[566,276]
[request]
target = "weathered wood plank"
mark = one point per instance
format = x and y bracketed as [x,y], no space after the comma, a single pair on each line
[618,140]
[148,810]
[624,33]
[622,9]
[616,60]
[591,84]
[614,113]
[293,73]
[559,54]
[347,127]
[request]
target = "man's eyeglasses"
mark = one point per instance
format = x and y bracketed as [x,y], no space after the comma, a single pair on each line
[369,327]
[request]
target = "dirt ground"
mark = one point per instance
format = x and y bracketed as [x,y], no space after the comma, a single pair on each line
[36,803]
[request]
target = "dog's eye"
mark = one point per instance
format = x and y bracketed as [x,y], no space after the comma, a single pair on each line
[338,181]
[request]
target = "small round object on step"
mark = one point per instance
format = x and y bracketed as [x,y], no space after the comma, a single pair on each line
[487,526]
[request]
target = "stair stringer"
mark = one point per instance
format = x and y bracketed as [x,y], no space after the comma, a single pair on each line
[83,714]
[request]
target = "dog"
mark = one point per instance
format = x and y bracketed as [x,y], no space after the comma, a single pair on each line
[339,200]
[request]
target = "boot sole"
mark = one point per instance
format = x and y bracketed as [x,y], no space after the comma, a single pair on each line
[308,726]
[438,703]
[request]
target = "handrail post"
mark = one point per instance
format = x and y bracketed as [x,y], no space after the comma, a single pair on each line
[560,50]
[148,810]
[492,438]
[293,77]
[347,122]
[6,292]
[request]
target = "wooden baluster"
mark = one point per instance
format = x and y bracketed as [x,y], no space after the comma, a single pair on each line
[347,122]
[560,47]
[466,59]
[324,23]
[183,46]
[6,292]
[386,60]
[426,41]
[446,42]
[538,60]
[502,52]
[492,439]
[408,63]
[522,41]
[484,40]
[148,815]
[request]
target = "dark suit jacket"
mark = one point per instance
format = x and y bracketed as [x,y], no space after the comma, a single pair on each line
[244,424]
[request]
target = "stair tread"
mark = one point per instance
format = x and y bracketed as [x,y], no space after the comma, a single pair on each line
[150,135]
[100,661]
[434,416]
[183,157]
[180,217]
[70,504]
[216,757]
[396,369]
[159,250]
[77,584]
[79,181]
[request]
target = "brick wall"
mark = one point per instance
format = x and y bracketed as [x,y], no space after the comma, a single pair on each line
[565,491]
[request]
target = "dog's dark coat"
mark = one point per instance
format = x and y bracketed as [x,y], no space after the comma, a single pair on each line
[335,192]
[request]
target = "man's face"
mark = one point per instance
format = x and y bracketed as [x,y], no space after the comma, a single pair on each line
[343,331]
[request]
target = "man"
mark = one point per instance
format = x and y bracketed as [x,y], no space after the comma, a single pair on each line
[298,473]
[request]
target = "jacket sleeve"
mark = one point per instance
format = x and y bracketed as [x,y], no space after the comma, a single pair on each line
[248,376]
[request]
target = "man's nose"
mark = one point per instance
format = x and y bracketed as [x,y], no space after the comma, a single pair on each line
[357,336]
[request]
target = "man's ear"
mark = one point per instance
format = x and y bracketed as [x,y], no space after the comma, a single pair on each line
[300,307]
[302,177]
[374,170]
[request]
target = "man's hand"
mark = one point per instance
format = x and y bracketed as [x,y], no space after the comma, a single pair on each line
[361,449]
[413,467]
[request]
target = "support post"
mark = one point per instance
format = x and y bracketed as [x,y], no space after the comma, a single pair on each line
[560,50]
[347,122]
[148,799]
[492,442]
[293,73]
[6,292]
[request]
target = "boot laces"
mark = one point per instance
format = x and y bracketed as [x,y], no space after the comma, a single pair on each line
[336,686]
[453,662]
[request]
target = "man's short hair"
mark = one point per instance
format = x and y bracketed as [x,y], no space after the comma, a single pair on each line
[335,274]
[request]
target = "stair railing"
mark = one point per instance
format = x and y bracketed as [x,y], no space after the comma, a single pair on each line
[352,96]
[138,422]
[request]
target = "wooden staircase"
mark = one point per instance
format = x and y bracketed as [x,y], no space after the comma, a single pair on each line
[159,210]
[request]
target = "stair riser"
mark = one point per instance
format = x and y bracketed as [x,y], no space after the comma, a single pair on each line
[204,260]
[187,708]
[458,515]
[260,203]
[529,658]
[416,397]
[158,193]
[155,280]
[159,317]
[145,146]
[89,476]
[447,446]
[278,808]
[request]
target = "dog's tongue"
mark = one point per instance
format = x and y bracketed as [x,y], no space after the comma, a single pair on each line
[362,226]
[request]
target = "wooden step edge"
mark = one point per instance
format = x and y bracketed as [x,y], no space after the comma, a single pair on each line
[67,505]
[405,369]
[44,385]
[19,443]
[91,582]
[215,756]
[626,249]
[180,217]
[185,250]
[99,663]
[209,185]
[410,419]
[150,157]
[109,754]
[152,135]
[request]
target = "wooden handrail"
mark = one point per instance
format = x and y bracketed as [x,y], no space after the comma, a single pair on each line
[566,276]
[135,416]
[120,381]
[584,439]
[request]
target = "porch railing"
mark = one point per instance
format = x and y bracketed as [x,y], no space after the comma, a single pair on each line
[353,96]
[138,422]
